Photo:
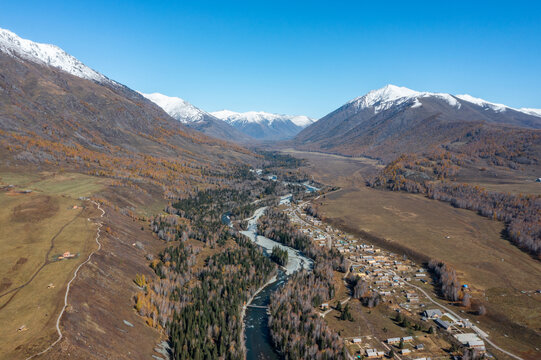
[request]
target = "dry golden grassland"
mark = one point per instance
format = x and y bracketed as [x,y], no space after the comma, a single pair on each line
[35,227]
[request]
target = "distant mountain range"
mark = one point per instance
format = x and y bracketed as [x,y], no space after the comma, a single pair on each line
[233,126]
[394,120]
[265,126]
[193,117]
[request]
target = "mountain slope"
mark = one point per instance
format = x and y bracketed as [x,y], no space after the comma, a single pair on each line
[53,114]
[46,54]
[393,120]
[196,118]
[265,126]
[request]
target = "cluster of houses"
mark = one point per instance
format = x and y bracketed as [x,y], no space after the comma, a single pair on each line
[387,274]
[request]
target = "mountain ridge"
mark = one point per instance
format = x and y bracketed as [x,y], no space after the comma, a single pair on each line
[388,121]
[263,125]
[193,117]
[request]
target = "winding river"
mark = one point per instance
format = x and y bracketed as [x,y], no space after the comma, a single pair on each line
[257,333]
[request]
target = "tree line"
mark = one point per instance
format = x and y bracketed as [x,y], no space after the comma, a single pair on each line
[520,213]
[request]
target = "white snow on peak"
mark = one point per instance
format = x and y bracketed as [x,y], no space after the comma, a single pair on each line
[497,107]
[47,54]
[529,111]
[176,107]
[260,117]
[483,103]
[392,95]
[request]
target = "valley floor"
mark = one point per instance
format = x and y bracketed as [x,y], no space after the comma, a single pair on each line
[497,272]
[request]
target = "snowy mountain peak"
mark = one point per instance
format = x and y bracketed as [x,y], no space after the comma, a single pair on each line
[392,95]
[263,125]
[176,107]
[389,93]
[261,117]
[47,54]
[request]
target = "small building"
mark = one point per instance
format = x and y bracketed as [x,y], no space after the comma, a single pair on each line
[392,341]
[443,324]
[66,255]
[324,306]
[407,339]
[374,353]
[420,347]
[477,344]
[22,328]
[357,340]
[465,323]
[472,341]
[433,313]
[405,351]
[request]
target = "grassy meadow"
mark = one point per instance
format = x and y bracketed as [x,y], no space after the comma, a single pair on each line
[36,226]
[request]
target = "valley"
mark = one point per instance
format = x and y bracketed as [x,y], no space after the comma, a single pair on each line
[402,225]
[494,269]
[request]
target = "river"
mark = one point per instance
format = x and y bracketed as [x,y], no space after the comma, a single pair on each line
[257,334]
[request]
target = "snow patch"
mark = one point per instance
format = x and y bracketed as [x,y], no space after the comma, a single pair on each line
[534,112]
[483,103]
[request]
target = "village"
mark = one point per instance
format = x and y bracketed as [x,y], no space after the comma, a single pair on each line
[403,286]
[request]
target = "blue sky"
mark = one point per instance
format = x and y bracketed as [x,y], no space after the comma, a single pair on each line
[296,57]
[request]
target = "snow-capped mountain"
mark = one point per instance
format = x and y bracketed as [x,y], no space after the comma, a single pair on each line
[177,108]
[261,117]
[391,96]
[398,119]
[196,118]
[46,54]
[265,126]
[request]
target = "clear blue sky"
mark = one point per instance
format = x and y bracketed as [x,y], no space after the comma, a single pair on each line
[296,57]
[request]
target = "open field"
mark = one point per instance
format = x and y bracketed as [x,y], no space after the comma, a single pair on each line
[100,321]
[335,169]
[39,225]
[69,184]
[503,179]
[498,273]
[36,228]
